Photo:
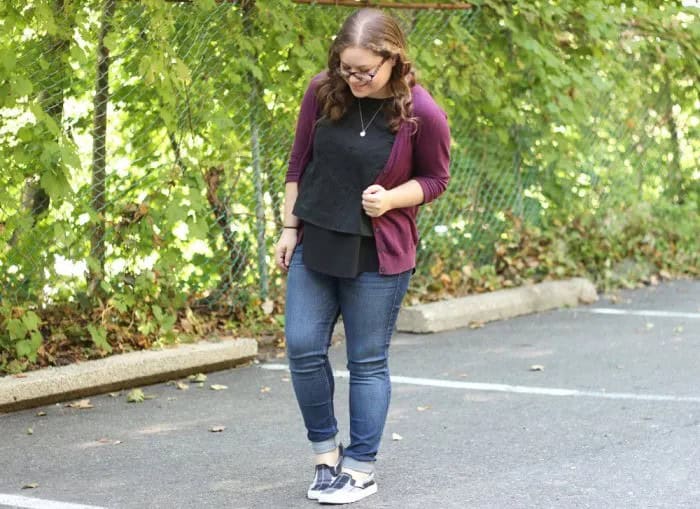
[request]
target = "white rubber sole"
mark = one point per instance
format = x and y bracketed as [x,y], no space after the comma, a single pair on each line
[340,497]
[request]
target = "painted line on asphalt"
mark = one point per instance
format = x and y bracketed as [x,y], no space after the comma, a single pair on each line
[640,312]
[518,389]
[38,503]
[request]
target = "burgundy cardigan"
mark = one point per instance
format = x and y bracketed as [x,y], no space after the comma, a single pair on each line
[423,156]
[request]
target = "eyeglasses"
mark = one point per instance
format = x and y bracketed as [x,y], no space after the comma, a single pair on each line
[362,77]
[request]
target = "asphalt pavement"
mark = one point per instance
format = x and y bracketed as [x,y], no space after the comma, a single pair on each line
[596,406]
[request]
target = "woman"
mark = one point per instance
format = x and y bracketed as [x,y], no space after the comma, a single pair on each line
[370,147]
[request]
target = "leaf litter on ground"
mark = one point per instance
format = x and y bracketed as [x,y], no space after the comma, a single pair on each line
[81,404]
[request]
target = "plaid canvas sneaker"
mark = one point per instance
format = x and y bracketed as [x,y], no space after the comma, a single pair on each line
[324,476]
[344,490]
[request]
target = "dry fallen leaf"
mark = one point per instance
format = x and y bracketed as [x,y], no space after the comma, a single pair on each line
[476,325]
[182,386]
[83,403]
[198,378]
[30,486]
[265,389]
[109,441]
[217,429]
[41,414]
[218,387]
[537,367]
[396,436]
[30,431]
[268,306]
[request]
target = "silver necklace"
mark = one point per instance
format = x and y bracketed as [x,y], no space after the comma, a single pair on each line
[364,128]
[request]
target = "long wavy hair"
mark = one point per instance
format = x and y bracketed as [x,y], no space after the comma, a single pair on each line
[378,32]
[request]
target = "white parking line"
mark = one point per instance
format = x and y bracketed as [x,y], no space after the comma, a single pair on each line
[37,503]
[519,389]
[639,312]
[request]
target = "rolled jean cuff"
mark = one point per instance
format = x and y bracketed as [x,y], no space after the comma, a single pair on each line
[366,467]
[327,445]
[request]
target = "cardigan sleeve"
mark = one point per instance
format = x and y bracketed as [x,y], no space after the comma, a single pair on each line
[302,138]
[431,151]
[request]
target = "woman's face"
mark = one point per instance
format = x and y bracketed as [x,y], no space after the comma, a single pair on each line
[366,73]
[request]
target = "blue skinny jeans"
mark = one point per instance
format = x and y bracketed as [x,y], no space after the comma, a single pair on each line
[369,305]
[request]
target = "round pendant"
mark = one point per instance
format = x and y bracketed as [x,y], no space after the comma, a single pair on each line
[362,133]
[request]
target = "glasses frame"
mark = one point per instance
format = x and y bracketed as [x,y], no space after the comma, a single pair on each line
[362,77]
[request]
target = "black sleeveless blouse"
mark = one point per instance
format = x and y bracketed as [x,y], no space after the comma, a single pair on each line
[338,238]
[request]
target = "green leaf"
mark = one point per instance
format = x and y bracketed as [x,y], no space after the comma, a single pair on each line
[167,323]
[182,72]
[25,134]
[70,157]
[22,87]
[106,287]
[157,312]
[111,41]
[36,340]
[55,184]
[23,348]
[136,396]
[7,59]
[99,337]
[147,70]
[16,328]
[31,321]
[198,228]
[175,212]
[119,304]
[93,264]
[78,54]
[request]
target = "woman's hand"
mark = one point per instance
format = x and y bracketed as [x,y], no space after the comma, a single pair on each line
[376,201]
[285,248]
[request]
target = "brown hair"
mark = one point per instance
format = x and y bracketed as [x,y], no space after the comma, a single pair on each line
[376,31]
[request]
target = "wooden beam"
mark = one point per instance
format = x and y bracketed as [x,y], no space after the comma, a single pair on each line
[387,5]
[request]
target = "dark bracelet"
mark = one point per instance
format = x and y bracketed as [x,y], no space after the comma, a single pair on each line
[291,227]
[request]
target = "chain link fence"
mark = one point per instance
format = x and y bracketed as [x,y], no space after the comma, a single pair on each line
[146,146]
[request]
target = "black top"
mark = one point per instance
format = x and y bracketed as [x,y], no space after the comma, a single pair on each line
[338,254]
[338,238]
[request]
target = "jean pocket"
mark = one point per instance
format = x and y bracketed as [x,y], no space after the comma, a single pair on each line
[297,256]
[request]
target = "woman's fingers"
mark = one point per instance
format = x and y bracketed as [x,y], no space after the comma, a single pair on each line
[287,258]
[281,257]
[284,251]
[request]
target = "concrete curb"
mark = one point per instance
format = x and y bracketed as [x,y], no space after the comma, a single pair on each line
[486,307]
[134,369]
[50,385]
